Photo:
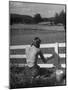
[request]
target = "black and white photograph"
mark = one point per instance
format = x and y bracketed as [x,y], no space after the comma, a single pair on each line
[37,44]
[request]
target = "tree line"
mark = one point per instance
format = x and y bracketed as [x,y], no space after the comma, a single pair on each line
[26,19]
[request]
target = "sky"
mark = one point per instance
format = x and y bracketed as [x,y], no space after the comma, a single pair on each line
[45,10]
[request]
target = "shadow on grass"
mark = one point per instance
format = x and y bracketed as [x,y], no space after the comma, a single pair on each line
[17,79]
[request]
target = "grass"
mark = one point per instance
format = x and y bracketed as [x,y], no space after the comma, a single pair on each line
[22,35]
[17,79]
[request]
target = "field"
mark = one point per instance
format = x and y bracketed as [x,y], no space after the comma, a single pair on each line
[24,34]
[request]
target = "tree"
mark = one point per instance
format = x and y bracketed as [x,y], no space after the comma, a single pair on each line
[63,18]
[37,18]
[60,18]
[56,19]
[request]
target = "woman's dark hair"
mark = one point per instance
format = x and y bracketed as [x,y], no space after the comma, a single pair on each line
[36,42]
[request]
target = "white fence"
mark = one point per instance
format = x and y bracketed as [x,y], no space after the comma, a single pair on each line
[51,45]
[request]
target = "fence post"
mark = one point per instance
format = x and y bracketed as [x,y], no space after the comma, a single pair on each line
[56,48]
[58,65]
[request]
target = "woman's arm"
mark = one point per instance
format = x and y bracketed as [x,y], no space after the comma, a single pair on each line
[54,55]
[42,57]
